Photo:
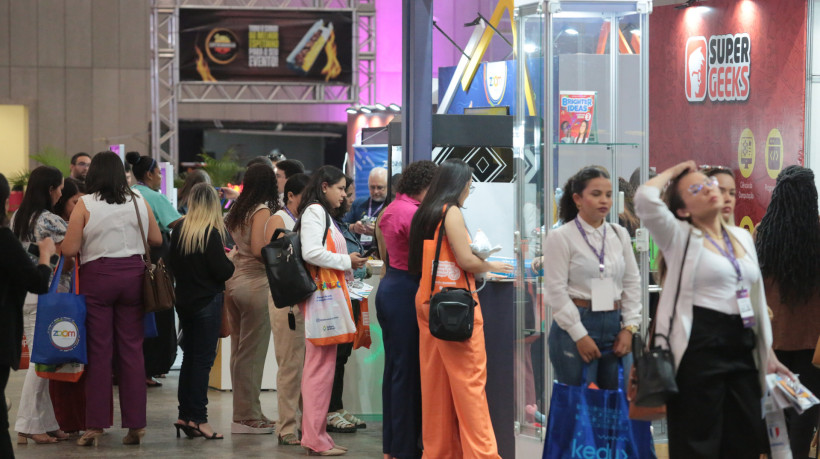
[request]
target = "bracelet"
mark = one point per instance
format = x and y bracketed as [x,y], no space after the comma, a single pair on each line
[631,328]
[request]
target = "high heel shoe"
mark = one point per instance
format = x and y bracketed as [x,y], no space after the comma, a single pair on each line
[213,436]
[187,430]
[134,437]
[90,437]
[331,452]
[59,435]
[40,439]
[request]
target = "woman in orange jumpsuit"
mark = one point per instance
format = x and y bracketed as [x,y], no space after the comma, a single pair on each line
[455,418]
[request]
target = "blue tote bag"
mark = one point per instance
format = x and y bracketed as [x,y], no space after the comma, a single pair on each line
[59,331]
[594,423]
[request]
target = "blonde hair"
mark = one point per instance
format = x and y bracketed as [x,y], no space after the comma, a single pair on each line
[204,213]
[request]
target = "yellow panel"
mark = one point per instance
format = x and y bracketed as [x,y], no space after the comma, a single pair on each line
[14,132]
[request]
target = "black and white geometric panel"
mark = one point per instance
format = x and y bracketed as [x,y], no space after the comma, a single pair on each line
[489,164]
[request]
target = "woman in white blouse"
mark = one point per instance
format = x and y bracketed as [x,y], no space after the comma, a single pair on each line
[720,333]
[592,284]
[324,192]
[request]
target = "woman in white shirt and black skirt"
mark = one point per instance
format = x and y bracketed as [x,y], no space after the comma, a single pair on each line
[592,284]
[720,333]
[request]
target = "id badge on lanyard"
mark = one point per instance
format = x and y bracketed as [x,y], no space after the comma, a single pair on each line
[744,303]
[602,289]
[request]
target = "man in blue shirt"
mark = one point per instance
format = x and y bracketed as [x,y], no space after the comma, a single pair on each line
[363,212]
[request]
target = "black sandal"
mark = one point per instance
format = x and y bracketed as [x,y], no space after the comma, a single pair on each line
[189,431]
[214,436]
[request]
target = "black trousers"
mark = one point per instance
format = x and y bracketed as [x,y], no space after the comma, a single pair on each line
[343,352]
[801,427]
[717,413]
[6,450]
[201,332]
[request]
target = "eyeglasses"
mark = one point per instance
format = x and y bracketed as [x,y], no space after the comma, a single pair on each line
[708,182]
[472,188]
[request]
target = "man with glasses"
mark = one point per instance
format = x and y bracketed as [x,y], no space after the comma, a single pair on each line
[79,165]
[363,212]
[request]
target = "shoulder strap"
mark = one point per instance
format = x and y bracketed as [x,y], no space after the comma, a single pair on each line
[438,253]
[147,256]
[327,225]
[677,295]
[298,225]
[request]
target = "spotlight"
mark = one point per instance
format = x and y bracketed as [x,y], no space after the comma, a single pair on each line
[380,107]
[365,110]
[530,48]
[571,31]
[395,107]
[352,110]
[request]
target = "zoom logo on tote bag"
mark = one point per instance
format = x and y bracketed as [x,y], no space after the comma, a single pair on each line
[64,333]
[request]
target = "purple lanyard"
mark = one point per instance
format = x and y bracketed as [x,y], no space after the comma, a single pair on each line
[289,213]
[731,255]
[370,208]
[603,245]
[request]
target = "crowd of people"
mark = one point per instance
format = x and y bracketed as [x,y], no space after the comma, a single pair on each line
[109,215]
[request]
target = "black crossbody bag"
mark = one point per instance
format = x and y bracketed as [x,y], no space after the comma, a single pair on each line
[452,310]
[655,366]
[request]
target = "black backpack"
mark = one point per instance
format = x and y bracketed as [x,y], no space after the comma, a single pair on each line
[289,280]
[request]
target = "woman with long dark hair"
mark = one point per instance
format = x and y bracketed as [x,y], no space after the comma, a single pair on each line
[248,293]
[289,344]
[198,257]
[33,221]
[728,189]
[788,246]
[18,275]
[324,194]
[396,312]
[105,231]
[587,253]
[720,333]
[160,351]
[453,373]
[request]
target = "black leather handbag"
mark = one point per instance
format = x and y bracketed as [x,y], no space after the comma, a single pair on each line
[289,280]
[452,310]
[654,365]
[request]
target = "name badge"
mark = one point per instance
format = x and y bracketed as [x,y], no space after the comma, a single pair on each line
[747,313]
[603,294]
[366,238]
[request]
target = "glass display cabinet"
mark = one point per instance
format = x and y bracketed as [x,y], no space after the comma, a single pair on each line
[582,99]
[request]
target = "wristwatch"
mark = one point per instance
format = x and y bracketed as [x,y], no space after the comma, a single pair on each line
[631,328]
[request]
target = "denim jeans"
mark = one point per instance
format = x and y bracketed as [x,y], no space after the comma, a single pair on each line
[200,331]
[602,327]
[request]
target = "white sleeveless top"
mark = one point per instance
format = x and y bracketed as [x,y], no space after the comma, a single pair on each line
[289,222]
[111,230]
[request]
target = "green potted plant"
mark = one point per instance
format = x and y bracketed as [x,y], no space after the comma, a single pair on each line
[223,170]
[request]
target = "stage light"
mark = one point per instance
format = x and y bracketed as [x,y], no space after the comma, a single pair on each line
[530,48]
[380,107]
[365,110]
[570,31]
[395,107]
[351,110]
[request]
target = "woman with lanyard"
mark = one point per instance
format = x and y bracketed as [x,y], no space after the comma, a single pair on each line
[160,352]
[593,285]
[288,327]
[721,337]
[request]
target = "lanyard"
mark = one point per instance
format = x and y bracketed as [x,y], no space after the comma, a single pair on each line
[370,207]
[289,213]
[730,255]
[600,254]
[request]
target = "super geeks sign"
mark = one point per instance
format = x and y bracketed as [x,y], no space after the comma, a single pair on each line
[723,67]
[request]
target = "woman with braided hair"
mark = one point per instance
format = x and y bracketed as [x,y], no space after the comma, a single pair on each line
[788,247]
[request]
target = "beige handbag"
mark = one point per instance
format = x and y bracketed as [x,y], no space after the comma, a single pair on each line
[157,288]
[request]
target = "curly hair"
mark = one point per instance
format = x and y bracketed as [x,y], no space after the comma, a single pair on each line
[788,237]
[258,187]
[567,210]
[416,178]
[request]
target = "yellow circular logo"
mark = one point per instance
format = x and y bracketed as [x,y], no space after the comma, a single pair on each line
[774,153]
[746,153]
[747,224]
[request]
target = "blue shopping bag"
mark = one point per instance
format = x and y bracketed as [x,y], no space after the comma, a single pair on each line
[59,331]
[594,423]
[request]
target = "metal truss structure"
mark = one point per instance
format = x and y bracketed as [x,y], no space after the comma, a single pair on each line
[167,91]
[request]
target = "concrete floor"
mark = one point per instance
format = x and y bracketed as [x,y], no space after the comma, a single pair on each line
[160,438]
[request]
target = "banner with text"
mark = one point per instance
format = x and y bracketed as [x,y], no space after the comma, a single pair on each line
[727,87]
[265,45]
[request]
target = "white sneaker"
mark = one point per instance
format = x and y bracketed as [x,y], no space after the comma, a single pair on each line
[250,427]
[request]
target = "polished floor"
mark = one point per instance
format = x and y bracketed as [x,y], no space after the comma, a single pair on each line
[160,439]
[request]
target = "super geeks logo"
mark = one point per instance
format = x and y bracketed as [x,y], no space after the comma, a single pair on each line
[720,69]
